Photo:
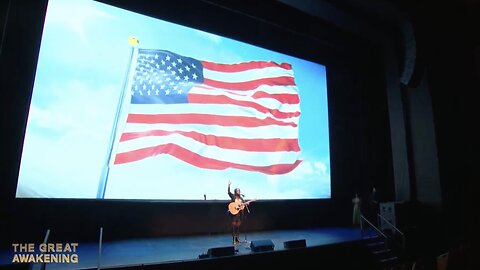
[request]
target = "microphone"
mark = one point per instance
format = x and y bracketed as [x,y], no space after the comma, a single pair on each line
[242,195]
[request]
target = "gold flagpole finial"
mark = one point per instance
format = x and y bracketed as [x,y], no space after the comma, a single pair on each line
[133,41]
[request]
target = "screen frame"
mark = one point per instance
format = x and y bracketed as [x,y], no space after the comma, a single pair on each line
[341,52]
[253,21]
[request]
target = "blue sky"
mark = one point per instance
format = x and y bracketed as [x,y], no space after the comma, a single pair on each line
[81,68]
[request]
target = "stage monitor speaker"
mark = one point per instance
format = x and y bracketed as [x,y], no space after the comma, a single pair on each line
[221,251]
[295,244]
[261,245]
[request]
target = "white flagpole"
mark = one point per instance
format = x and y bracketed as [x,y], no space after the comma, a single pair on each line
[102,184]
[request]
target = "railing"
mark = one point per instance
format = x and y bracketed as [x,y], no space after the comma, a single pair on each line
[41,265]
[395,228]
[364,219]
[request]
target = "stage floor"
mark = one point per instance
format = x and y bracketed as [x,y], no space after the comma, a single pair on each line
[187,248]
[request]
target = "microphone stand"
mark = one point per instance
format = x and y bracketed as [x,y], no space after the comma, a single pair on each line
[248,210]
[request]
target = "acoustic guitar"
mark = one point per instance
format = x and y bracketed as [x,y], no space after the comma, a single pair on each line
[236,206]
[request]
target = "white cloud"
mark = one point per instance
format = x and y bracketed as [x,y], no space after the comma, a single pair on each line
[65,144]
[273,180]
[309,168]
[76,16]
[74,106]
[292,185]
[320,167]
[213,38]
[45,118]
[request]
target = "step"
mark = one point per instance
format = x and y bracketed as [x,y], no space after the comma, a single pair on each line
[371,237]
[375,244]
[381,251]
[389,259]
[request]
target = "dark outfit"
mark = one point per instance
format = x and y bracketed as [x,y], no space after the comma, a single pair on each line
[236,219]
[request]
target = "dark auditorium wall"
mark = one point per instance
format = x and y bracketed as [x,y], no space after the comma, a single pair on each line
[451,79]
[433,113]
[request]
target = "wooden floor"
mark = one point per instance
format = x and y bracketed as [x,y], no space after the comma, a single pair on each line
[180,249]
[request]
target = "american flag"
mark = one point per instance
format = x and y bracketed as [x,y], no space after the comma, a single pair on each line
[211,115]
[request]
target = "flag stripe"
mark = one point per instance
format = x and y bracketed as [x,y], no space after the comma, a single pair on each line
[258,145]
[269,89]
[266,132]
[207,99]
[229,155]
[211,109]
[246,75]
[284,97]
[268,103]
[249,85]
[243,66]
[207,119]
[199,160]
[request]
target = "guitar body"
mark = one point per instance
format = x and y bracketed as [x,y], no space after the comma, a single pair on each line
[235,207]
